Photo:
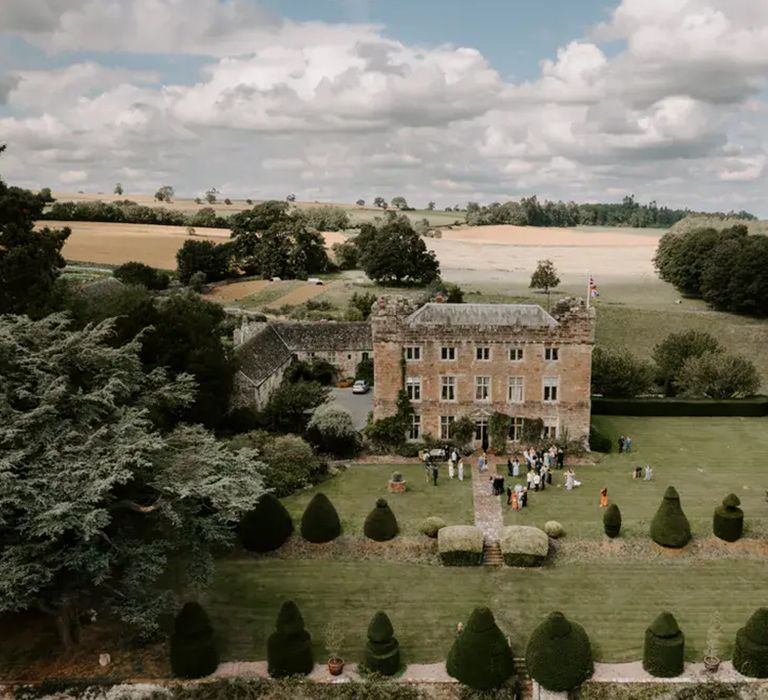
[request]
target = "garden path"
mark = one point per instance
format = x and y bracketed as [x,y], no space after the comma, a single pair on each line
[487,506]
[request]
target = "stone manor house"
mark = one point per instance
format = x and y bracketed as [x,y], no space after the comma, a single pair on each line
[478,359]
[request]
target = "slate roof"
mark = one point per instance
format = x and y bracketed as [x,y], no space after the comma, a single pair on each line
[325,335]
[523,315]
[262,354]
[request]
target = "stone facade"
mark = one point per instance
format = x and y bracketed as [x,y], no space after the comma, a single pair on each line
[478,359]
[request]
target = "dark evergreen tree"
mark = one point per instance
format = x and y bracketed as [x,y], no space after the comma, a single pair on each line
[193,650]
[559,655]
[728,521]
[320,522]
[664,650]
[750,653]
[670,527]
[612,520]
[382,651]
[289,647]
[381,524]
[267,526]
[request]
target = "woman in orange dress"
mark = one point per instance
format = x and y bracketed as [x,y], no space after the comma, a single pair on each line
[513,500]
[604,497]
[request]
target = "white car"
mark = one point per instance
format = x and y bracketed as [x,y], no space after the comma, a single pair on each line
[360,387]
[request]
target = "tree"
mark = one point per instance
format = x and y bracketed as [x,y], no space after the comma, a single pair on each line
[365,371]
[97,504]
[46,195]
[396,254]
[212,259]
[664,649]
[399,203]
[379,202]
[193,650]
[381,524]
[291,198]
[671,354]
[30,260]
[227,201]
[290,405]
[431,206]
[139,273]
[382,650]
[363,302]
[347,255]
[716,375]
[164,194]
[545,276]
[619,374]
[267,526]
[211,195]
[331,430]
[289,647]
[320,521]
[463,430]
[559,655]
[360,202]
[118,189]
[670,527]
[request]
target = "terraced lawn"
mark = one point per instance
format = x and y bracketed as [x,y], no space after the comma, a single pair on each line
[354,494]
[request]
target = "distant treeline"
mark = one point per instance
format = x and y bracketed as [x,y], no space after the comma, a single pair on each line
[127,212]
[529,211]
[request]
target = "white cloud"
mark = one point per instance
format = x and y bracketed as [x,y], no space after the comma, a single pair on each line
[746,169]
[71,177]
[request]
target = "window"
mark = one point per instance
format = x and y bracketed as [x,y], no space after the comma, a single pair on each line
[516,355]
[447,388]
[551,354]
[446,427]
[413,388]
[550,389]
[516,430]
[412,353]
[349,357]
[414,432]
[448,352]
[365,356]
[550,428]
[482,388]
[515,390]
[483,353]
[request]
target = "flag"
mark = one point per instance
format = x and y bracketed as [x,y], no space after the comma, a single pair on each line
[593,288]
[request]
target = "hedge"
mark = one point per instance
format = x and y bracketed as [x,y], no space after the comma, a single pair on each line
[289,647]
[267,526]
[480,656]
[754,407]
[728,520]
[320,521]
[598,442]
[670,527]
[558,655]
[664,650]
[193,651]
[554,529]
[431,526]
[523,545]
[381,524]
[382,651]
[460,545]
[750,653]
[612,520]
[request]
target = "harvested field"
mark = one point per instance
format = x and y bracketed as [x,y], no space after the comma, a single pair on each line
[555,236]
[237,290]
[299,295]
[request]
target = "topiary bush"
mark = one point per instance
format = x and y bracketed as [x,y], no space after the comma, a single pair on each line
[382,651]
[480,656]
[750,653]
[320,521]
[381,524]
[460,545]
[431,526]
[267,526]
[558,654]
[554,529]
[728,521]
[193,651]
[664,650]
[523,545]
[670,527]
[289,647]
[331,429]
[599,442]
[612,521]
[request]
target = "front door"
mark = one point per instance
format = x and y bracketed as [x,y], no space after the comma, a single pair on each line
[481,433]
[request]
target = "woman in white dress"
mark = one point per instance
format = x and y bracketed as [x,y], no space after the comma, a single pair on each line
[461,470]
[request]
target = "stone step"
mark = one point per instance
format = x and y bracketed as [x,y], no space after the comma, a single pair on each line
[492,554]
[521,671]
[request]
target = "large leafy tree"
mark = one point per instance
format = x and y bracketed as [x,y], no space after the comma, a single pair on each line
[29,260]
[97,508]
[717,375]
[672,353]
[544,276]
[619,374]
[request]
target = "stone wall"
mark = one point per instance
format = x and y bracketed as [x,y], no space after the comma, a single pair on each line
[346,361]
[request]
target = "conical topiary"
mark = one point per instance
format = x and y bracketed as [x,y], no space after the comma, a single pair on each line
[558,654]
[664,650]
[612,520]
[193,650]
[267,526]
[480,656]
[750,653]
[320,522]
[670,527]
[382,651]
[381,524]
[289,647]
[728,521]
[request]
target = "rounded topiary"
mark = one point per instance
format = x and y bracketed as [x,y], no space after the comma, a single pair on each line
[670,527]
[554,529]
[558,654]
[289,647]
[431,526]
[480,656]
[664,650]
[750,653]
[460,545]
[193,650]
[612,520]
[381,524]
[524,545]
[320,522]
[728,521]
[382,651]
[267,526]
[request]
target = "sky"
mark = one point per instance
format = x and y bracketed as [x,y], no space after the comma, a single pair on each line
[436,100]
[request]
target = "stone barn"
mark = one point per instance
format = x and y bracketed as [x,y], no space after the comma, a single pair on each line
[262,360]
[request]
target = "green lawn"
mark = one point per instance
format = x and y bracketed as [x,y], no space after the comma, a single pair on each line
[703,458]
[614,602]
[355,491]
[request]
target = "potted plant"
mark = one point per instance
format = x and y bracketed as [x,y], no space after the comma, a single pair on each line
[396,483]
[334,638]
[714,635]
